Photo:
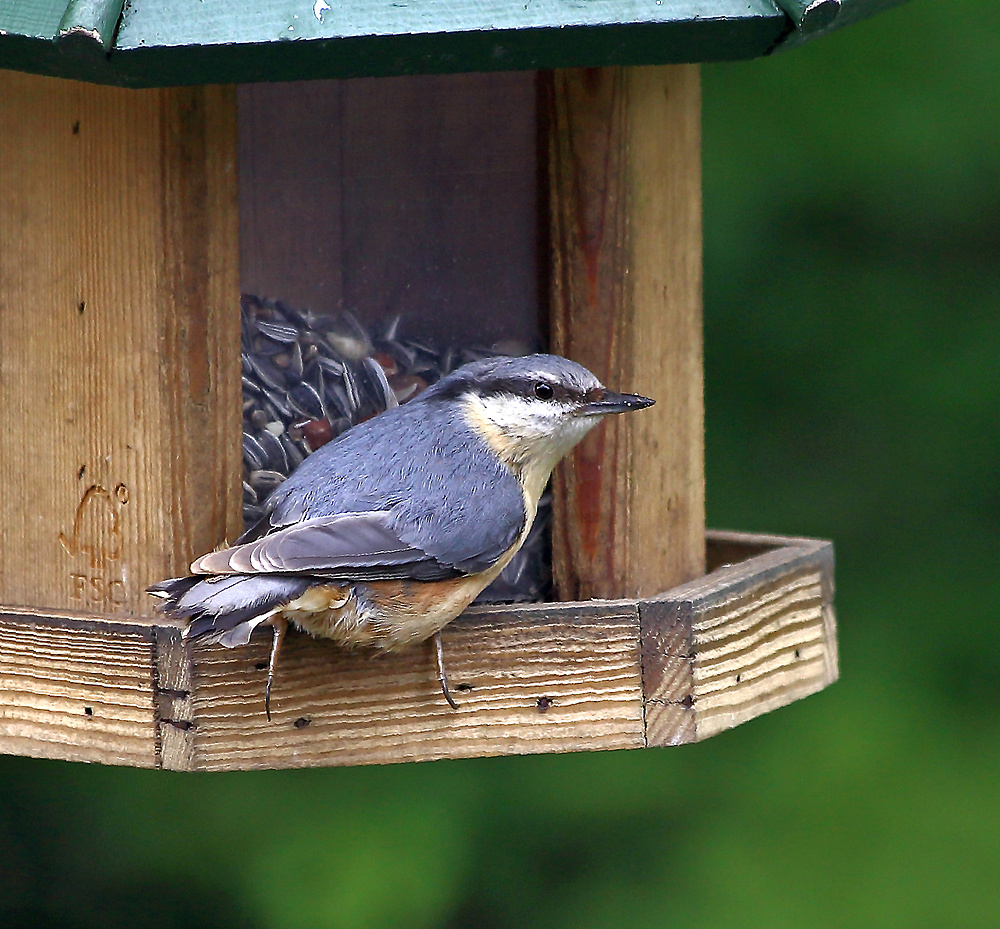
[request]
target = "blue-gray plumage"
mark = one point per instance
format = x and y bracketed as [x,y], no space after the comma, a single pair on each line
[451,507]
[386,534]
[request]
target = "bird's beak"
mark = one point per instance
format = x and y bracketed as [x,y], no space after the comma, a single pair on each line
[611,402]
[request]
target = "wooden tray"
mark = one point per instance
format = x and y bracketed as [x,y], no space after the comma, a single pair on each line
[754,634]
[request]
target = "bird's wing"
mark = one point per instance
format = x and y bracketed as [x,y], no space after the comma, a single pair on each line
[411,493]
[347,546]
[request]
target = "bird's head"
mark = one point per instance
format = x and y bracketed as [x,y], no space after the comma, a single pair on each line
[532,410]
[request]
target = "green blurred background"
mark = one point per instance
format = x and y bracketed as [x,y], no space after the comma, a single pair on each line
[852,268]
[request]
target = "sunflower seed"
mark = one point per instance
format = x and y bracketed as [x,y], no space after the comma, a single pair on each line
[307,377]
[386,399]
[276,458]
[280,332]
[263,482]
[269,374]
[253,454]
[331,365]
[305,399]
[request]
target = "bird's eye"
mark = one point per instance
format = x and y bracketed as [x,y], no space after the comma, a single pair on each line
[543,391]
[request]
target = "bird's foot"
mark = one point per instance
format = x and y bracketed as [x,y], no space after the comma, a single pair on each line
[279,626]
[442,674]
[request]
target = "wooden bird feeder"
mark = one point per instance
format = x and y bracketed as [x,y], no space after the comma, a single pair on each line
[488,166]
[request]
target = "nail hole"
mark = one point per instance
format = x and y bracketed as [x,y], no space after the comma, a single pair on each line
[797,653]
[121,491]
[79,474]
[81,307]
[301,722]
[544,703]
[739,677]
[260,666]
[88,710]
[76,128]
[465,688]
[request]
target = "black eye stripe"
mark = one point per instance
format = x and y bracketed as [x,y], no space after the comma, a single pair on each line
[524,387]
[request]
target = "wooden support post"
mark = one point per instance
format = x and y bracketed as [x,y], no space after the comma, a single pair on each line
[119,339]
[625,195]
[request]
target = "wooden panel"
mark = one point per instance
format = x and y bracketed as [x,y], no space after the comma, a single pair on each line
[76,690]
[225,40]
[119,335]
[625,200]
[708,655]
[526,680]
[739,642]
[173,710]
[413,196]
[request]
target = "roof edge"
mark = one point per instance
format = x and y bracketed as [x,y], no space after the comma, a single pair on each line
[820,17]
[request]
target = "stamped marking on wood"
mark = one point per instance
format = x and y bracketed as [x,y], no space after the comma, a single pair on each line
[96,539]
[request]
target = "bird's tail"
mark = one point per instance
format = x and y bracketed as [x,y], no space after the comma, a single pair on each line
[226,608]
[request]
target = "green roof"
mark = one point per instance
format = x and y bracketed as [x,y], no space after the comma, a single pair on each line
[144,43]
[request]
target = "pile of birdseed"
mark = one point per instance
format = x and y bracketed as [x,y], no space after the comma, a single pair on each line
[308,377]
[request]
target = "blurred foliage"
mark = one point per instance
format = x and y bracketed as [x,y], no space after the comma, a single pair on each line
[852,268]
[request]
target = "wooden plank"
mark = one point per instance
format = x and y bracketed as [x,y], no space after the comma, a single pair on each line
[226,41]
[173,711]
[183,22]
[742,641]
[76,690]
[708,655]
[526,680]
[171,42]
[625,200]
[414,197]
[119,335]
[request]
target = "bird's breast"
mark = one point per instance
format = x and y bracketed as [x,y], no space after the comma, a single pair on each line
[387,614]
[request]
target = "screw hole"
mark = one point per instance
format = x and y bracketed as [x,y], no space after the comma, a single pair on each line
[544,703]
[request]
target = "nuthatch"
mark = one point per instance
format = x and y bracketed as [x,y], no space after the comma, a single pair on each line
[386,534]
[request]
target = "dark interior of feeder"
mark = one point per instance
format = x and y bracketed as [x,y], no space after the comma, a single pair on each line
[389,232]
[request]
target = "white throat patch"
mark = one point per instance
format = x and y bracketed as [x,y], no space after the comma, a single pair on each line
[529,436]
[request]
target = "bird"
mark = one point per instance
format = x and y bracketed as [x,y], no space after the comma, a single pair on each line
[383,536]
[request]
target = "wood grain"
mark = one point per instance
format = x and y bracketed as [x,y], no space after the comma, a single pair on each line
[742,641]
[119,339]
[753,635]
[172,687]
[526,680]
[72,688]
[625,203]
